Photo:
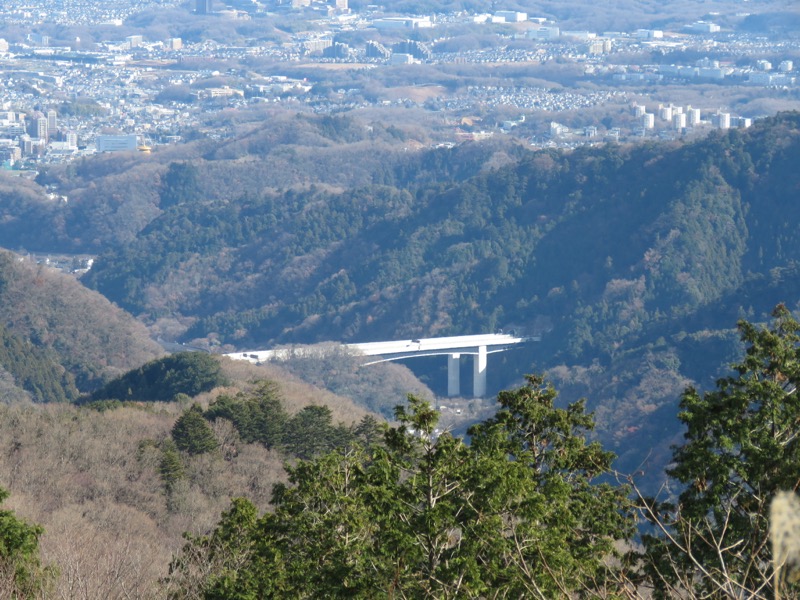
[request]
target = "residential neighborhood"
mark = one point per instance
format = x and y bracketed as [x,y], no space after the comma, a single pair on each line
[127,84]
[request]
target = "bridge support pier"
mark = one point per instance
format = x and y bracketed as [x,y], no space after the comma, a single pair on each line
[479,373]
[453,375]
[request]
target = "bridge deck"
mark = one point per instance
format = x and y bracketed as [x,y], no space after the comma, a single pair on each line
[463,343]
[459,344]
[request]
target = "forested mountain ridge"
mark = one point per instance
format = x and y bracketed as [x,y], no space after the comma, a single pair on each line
[57,338]
[107,199]
[602,241]
[635,262]
[115,485]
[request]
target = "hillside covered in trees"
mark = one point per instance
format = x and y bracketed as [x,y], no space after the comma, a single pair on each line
[604,242]
[57,338]
[633,264]
[106,490]
[632,261]
[530,507]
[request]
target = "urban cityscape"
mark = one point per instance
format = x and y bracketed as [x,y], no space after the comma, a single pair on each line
[63,96]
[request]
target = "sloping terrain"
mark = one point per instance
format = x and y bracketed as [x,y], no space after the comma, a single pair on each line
[59,337]
[633,262]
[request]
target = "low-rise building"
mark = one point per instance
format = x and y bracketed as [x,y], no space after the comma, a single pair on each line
[116,143]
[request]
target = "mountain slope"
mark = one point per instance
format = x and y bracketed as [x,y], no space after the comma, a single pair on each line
[622,236]
[58,337]
[634,262]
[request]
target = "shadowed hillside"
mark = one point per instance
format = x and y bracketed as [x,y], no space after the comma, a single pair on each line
[634,262]
[59,337]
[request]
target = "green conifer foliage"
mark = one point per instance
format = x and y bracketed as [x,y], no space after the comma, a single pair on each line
[741,447]
[21,574]
[518,513]
[178,185]
[311,432]
[258,416]
[188,373]
[171,466]
[192,433]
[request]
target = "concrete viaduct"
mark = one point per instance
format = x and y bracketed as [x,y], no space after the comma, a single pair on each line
[479,346]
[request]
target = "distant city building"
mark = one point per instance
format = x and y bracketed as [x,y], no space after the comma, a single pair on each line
[692,116]
[785,67]
[10,154]
[770,78]
[61,147]
[377,50]
[116,143]
[401,59]
[416,49]
[649,34]
[557,129]
[763,65]
[512,16]
[337,50]
[341,6]
[38,39]
[598,47]
[711,73]
[638,110]
[31,147]
[38,127]
[26,144]
[403,23]
[703,27]
[221,92]
[545,33]
[679,121]
[174,43]
[134,41]
[722,120]
[665,112]
[760,78]
[52,121]
[15,129]
[203,7]
[316,45]
[648,120]
[3,45]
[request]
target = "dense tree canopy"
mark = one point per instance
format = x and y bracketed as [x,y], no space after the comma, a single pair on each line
[519,512]
[741,447]
[192,433]
[21,574]
[187,373]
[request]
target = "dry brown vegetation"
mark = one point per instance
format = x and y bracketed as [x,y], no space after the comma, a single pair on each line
[74,335]
[42,304]
[91,479]
[295,393]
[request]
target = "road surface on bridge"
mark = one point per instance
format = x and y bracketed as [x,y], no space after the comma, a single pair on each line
[479,346]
